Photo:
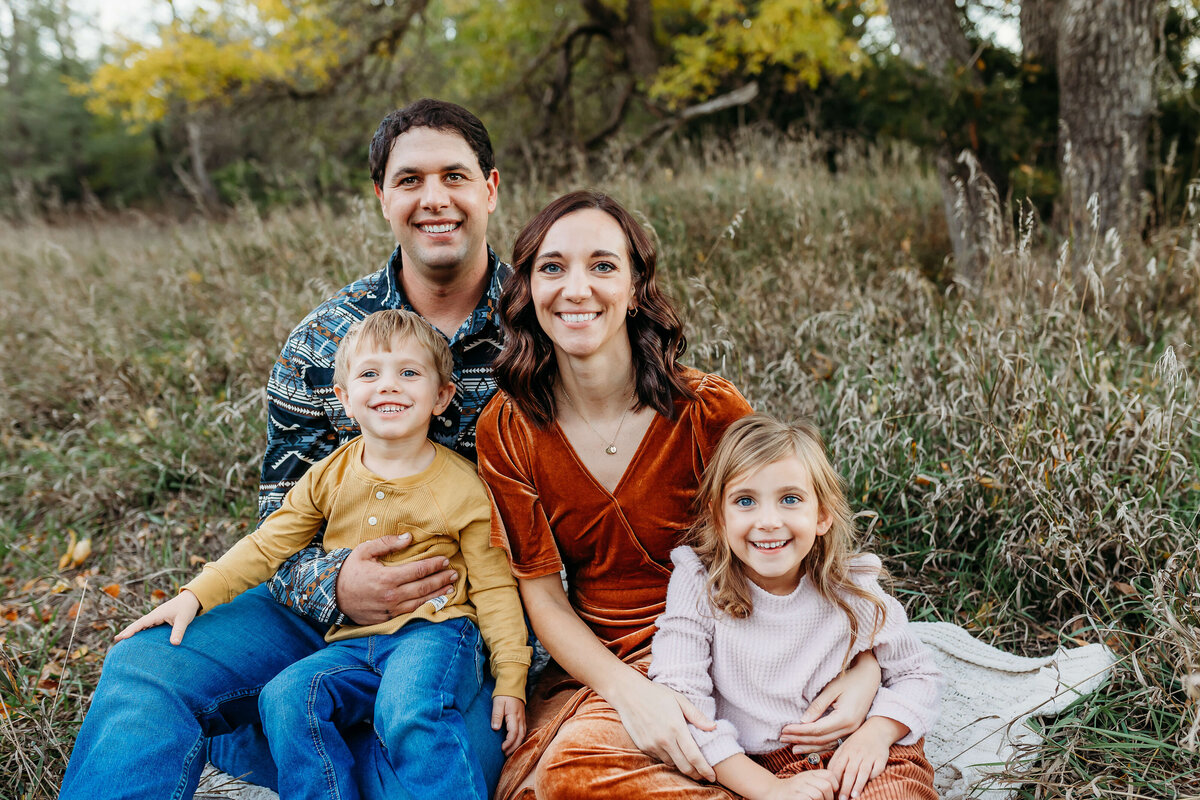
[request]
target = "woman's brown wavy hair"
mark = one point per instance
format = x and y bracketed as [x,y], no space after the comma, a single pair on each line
[526,369]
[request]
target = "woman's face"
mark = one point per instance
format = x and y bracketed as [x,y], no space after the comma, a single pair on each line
[582,285]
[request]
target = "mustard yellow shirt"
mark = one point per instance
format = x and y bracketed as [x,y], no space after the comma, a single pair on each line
[446,509]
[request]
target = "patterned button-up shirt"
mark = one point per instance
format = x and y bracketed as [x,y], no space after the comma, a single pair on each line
[306,422]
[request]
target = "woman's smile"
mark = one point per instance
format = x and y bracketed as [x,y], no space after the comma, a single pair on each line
[582,285]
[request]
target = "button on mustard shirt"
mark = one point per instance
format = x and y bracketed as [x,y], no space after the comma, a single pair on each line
[446,509]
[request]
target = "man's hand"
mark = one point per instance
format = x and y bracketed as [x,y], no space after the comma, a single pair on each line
[369,591]
[509,712]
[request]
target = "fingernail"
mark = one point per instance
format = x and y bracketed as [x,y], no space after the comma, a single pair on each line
[453,576]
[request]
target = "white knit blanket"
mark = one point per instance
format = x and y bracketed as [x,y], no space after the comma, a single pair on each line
[989,697]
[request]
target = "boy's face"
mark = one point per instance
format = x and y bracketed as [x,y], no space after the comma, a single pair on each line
[392,394]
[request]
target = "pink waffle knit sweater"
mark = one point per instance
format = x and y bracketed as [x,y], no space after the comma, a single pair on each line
[755,675]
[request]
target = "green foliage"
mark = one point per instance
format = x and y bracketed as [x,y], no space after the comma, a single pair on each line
[1027,469]
[52,151]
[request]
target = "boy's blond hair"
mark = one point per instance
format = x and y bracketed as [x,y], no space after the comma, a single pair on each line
[382,330]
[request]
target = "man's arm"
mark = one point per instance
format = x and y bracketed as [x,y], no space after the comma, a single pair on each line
[299,433]
[342,586]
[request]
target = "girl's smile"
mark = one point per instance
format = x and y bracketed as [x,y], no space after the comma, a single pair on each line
[771,518]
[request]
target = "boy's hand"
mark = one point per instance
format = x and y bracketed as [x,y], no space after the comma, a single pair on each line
[180,610]
[864,754]
[813,784]
[510,712]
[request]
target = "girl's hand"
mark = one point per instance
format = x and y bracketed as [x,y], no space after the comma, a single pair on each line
[509,712]
[813,784]
[180,610]
[656,718]
[850,696]
[864,754]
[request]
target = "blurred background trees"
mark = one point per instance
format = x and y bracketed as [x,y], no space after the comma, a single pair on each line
[1038,104]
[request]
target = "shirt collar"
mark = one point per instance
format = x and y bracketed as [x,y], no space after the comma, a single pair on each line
[487,310]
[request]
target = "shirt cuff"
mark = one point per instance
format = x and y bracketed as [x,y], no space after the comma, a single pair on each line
[717,745]
[888,705]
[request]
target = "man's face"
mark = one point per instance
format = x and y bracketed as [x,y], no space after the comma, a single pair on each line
[437,200]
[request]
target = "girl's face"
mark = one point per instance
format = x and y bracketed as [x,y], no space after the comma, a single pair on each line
[771,518]
[582,285]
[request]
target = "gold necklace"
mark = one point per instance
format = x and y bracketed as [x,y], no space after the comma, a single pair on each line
[611,447]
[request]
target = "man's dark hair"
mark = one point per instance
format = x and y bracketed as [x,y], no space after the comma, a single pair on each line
[427,113]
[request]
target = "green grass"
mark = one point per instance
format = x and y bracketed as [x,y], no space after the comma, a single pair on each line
[1024,454]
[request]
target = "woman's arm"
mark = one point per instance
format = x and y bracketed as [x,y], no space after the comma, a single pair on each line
[654,716]
[850,696]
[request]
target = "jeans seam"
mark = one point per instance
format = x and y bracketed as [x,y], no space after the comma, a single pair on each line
[327,766]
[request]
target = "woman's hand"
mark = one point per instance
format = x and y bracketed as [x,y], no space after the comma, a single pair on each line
[180,610]
[848,698]
[656,719]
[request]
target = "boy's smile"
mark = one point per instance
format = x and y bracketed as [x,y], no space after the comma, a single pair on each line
[393,394]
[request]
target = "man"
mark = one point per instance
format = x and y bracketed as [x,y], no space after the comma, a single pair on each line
[160,709]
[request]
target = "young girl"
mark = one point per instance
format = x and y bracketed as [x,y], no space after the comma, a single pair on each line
[768,606]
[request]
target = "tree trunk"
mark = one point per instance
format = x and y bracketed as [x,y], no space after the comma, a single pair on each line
[1105,72]
[201,185]
[930,36]
[1040,22]
[929,33]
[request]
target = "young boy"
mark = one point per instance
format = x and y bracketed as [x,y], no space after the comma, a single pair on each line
[412,675]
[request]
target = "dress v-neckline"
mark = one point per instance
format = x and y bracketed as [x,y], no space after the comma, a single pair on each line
[637,454]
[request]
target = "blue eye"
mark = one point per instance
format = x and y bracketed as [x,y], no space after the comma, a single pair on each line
[743,502]
[791,500]
[551,268]
[409,373]
[368,373]
[604,266]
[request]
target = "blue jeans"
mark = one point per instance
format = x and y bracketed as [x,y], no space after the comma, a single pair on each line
[148,731]
[415,685]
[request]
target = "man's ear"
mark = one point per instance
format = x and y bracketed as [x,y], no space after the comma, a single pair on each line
[342,396]
[493,182]
[445,395]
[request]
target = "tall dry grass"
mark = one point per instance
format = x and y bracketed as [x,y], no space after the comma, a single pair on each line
[1024,453]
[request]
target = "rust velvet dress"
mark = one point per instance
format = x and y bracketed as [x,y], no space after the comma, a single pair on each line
[551,513]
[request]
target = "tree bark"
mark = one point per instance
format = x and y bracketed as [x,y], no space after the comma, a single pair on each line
[201,187]
[1105,71]
[1040,21]
[931,37]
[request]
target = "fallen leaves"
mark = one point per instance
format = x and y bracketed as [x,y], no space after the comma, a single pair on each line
[76,553]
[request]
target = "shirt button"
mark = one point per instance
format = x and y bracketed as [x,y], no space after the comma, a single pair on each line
[814,759]
[379,495]
[372,520]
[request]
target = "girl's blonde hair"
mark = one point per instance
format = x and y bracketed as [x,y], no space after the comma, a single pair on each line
[749,444]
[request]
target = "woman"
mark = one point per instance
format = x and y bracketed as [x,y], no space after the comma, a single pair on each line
[593,451]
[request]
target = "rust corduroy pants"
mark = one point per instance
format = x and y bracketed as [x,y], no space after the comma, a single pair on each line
[578,748]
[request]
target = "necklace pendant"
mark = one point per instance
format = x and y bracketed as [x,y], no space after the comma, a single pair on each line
[611,449]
